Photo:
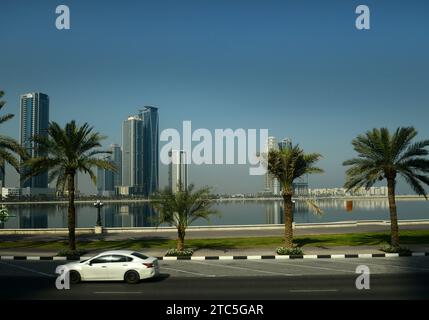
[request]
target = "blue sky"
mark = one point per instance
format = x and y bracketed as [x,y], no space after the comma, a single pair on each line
[299,68]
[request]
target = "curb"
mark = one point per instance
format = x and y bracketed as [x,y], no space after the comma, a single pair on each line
[253,257]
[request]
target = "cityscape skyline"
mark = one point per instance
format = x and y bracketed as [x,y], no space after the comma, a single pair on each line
[302,71]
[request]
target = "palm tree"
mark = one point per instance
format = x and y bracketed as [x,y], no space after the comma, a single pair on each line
[382,155]
[287,165]
[65,152]
[182,208]
[9,147]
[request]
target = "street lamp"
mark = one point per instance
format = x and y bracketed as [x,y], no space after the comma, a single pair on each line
[98,205]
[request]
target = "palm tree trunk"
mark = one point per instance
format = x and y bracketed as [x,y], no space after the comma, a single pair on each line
[181,239]
[287,205]
[394,232]
[71,213]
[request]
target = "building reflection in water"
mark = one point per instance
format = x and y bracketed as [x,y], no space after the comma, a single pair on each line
[274,213]
[138,214]
[129,215]
[29,217]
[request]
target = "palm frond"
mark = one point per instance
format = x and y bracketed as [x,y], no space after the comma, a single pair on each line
[383,155]
[291,163]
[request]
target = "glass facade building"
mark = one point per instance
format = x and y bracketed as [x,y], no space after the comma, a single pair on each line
[132,152]
[150,149]
[178,171]
[34,120]
[116,158]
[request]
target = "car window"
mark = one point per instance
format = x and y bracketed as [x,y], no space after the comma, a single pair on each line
[139,255]
[102,259]
[119,258]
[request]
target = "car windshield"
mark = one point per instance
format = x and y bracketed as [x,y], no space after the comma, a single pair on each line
[139,255]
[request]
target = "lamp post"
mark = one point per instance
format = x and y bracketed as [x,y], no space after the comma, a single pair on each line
[98,205]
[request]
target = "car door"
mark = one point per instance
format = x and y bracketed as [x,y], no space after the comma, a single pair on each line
[119,264]
[97,268]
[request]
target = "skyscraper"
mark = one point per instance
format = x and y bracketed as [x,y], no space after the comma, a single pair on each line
[34,121]
[132,154]
[2,176]
[178,170]
[149,115]
[271,183]
[116,158]
[105,181]
[285,143]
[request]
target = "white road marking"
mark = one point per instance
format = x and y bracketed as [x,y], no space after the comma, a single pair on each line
[198,258]
[253,257]
[314,290]
[117,292]
[247,269]
[190,272]
[60,258]
[418,254]
[28,270]
[170,258]
[306,266]
[386,265]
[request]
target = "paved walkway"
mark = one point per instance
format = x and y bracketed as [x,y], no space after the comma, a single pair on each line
[213,234]
[227,252]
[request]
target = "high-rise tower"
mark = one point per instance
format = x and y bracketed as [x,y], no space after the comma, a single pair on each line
[149,115]
[34,121]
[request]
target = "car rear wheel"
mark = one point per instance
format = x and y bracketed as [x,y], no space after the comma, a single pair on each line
[74,277]
[132,277]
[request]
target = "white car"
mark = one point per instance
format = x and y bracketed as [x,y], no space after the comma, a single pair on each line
[125,265]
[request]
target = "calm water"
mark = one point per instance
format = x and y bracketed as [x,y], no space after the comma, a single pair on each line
[232,213]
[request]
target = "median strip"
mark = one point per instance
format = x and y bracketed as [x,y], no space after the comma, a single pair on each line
[241,257]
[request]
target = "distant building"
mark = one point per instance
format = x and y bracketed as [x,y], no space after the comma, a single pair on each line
[116,158]
[300,186]
[65,192]
[285,143]
[27,192]
[2,176]
[342,192]
[34,120]
[140,153]
[271,183]
[178,170]
[105,181]
[132,154]
[149,115]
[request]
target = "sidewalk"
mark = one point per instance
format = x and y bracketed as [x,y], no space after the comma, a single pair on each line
[277,231]
[227,252]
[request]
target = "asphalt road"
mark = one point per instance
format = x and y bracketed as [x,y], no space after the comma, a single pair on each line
[390,278]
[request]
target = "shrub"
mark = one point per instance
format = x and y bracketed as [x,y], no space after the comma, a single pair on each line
[178,253]
[393,249]
[289,251]
[71,253]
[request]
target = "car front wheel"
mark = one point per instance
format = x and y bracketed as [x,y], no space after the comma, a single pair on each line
[74,277]
[132,277]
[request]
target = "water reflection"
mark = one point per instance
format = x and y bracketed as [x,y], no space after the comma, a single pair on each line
[303,211]
[232,213]
[129,215]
